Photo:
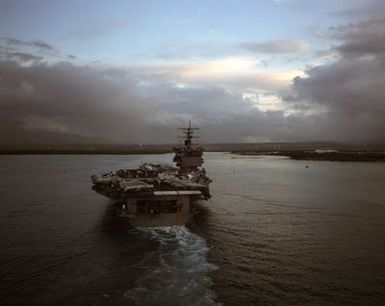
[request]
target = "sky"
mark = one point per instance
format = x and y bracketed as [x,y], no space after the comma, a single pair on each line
[131,72]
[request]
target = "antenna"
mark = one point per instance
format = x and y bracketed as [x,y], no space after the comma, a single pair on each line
[189,134]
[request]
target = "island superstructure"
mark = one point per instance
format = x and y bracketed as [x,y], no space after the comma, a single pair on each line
[156,194]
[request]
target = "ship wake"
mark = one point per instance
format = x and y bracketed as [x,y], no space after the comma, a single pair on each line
[176,273]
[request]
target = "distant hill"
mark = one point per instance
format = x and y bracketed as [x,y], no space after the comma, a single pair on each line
[74,148]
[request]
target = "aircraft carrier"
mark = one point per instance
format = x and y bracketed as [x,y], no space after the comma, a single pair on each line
[156,194]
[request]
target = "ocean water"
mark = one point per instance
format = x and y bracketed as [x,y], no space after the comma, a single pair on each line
[274,233]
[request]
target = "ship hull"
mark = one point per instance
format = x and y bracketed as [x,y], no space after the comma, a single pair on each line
[167,209]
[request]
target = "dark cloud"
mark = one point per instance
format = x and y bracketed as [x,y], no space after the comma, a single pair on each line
[277,46]
[19,56]
[361,9]
[13,49]
[362,38]
[42,45]
[14,42]
[64,101]
[352,89]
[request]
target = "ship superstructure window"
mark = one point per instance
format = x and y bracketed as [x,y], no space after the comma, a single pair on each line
[158,207]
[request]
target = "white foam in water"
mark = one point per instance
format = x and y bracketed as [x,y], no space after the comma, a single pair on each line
[176,273]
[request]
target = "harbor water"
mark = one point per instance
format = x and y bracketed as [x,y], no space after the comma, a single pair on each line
[276,232]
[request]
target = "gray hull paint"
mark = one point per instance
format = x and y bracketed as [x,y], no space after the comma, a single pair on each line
[137,219]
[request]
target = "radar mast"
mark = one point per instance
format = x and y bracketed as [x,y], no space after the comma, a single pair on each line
[189,156]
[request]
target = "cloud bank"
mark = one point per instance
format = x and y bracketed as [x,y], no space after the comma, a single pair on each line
[352,88]
[232,99]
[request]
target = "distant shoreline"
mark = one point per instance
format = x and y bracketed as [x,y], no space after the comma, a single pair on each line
[341,156]
[298,151]
[82,152]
